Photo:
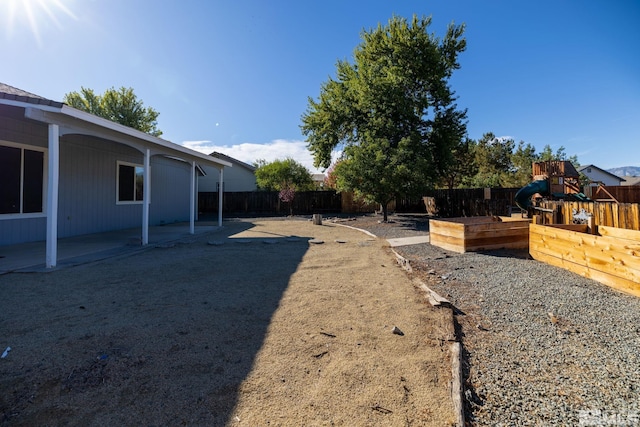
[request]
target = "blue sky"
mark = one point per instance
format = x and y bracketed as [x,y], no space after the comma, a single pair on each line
[234,76]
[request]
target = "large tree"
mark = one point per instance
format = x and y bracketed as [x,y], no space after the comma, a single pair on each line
[493,157]
[463,168]
[521,161]
[120,106]
[283,174]
[391,111]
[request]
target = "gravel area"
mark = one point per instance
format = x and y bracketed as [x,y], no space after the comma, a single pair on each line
[542,346]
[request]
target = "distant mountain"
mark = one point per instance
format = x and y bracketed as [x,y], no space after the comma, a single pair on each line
[625,171]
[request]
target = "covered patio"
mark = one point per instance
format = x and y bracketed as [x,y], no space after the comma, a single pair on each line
[71,251]
[93,197]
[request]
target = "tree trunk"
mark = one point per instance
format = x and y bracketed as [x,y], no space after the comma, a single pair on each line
[385,211]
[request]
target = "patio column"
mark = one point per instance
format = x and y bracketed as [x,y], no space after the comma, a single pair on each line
[146,192]
[192,199]
[52,196]
[220,191]
[197,204]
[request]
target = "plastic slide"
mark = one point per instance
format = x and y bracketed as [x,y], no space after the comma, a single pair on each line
[523,196]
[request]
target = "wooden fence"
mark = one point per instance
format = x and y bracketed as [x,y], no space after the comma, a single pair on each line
[267,202]
[304,203]
[612,214]
[442,203]
[467,202]
[619,193]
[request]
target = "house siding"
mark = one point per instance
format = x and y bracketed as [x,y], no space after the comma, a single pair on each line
[597,175]
[170,191]
[14,128]
[22,230]
[236,178]
[87,184]
[87,192]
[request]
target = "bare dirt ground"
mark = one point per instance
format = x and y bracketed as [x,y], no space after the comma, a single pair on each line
[247,326]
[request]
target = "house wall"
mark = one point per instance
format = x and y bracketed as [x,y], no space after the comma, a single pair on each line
[87,192]
[87,184]
[170,191]
[236,178]
[15,128]
[598,176]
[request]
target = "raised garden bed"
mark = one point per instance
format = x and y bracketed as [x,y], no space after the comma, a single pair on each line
[611,256]
[479,233]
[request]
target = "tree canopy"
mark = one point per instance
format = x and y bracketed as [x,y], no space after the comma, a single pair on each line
[497,162]
[282,175]
[391,111]
[120,106]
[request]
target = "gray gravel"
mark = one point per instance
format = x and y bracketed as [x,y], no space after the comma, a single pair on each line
[543,346]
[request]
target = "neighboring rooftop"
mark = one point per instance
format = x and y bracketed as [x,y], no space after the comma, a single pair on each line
[582,169]
[632,180]
[232,160]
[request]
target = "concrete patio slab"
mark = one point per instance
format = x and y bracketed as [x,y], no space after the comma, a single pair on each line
[30,257]
[406,241]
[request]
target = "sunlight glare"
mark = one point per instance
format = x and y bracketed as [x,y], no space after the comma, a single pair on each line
[33,14]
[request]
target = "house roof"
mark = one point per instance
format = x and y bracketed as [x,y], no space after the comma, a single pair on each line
[582,169]
[234,161]
[632,180]
[81,122]
[15,94]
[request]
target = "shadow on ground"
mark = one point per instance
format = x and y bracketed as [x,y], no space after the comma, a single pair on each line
[161,337]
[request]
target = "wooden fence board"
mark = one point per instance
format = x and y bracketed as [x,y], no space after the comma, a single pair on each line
[473,234]
[612,258]
[620,215]
[622,193]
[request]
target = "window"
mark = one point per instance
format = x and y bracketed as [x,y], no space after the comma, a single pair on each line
[130,183]
[21,180]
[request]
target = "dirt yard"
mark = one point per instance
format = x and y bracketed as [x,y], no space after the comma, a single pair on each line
[252,325]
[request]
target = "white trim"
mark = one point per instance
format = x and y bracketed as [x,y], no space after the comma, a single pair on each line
[45,171]
[146,195]
[162,146]
[144,184]
[220,197]
[4,217]
[192,198]
[51,255]
[108,124]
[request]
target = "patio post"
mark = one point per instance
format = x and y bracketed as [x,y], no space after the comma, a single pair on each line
[220,191]
[52,196]
[146,192]
[192,199]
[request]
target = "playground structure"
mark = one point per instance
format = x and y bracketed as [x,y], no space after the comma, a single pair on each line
[607,254]
[555,179]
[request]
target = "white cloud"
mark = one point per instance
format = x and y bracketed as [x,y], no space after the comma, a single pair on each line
[250,152]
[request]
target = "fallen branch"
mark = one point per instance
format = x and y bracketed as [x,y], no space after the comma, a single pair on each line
[328,334]
[381,409]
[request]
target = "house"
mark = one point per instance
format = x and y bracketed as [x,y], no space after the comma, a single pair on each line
[66,172]
[318,180]
[241,177]
[600,176]
[631,180]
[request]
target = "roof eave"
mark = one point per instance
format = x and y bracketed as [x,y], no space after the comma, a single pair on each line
[117,127]
[60,108]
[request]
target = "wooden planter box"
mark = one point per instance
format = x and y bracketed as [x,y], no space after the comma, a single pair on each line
[479,233]
[611,257]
